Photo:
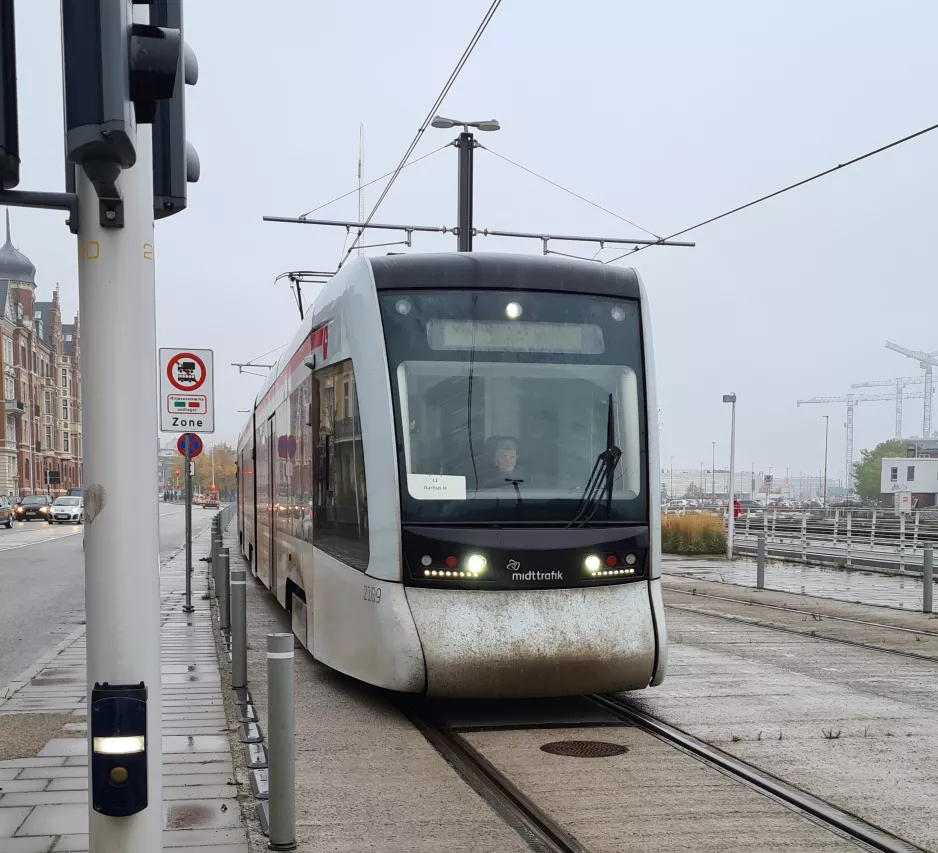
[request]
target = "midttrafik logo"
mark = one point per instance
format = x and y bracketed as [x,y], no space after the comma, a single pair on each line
[537,576]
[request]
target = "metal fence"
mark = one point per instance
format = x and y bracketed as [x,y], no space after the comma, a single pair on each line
[226,514]
[867,537]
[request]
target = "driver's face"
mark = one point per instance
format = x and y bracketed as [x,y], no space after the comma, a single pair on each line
[505,458]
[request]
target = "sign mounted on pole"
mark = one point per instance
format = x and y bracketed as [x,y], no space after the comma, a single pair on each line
[189,445]
[187,399]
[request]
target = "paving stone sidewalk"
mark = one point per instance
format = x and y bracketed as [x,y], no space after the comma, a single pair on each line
[44,789]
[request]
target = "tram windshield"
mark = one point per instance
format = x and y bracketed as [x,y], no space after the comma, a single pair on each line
[517,407]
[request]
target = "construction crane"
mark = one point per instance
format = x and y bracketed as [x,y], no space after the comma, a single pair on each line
[851,400]
[926,360]
[900,382]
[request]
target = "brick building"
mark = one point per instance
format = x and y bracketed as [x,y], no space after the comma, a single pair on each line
[40,370]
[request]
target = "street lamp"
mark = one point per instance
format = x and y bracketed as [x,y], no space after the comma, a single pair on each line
[465,144]
[671,492]
[827,423]
[713,474]
[731,398]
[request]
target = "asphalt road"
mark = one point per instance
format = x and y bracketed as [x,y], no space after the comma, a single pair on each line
[42,583]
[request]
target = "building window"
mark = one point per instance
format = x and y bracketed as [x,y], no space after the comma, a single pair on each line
[22,355]
[65,377]
[48,438]
[8,390]
[48,403]
[7,351]
[64,410]
[65,442]
[893,475]
[910,473]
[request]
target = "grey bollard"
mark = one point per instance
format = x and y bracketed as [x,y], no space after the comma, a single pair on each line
[239,630]
[281,778]
[927,579]
[217,545]
[223,590]
[760,563]
[213,559]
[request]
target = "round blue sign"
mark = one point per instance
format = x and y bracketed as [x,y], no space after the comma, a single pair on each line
[189,445]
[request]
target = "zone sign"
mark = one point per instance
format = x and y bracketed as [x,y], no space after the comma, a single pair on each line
[187,399]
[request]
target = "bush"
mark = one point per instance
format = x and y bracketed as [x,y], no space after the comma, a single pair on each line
[693,533]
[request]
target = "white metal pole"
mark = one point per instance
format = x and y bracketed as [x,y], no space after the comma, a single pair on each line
[731,492]
[827,423]
[117,295]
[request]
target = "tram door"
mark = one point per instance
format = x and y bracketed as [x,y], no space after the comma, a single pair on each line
[272,502]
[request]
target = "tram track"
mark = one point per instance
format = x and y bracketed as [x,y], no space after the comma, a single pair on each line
[752,623]
[819,811]
[813,614]
[542,834]
[537,830]
[812,634]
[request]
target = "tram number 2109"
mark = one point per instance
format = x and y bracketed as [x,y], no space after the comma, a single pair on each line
[372,594]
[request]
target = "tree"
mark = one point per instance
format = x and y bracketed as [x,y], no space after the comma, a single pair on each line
[225,471]
[868,471]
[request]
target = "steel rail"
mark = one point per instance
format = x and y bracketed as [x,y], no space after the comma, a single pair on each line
[823,813]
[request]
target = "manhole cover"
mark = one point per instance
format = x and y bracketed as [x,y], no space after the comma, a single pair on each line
[584,748]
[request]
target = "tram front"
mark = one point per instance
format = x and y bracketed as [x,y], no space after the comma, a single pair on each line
[521,388]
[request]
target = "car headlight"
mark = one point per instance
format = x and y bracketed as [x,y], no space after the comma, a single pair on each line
[43,509]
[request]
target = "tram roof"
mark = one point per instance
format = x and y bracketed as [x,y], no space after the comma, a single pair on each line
[496,271]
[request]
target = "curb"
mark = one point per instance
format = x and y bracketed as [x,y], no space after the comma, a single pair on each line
[23,679]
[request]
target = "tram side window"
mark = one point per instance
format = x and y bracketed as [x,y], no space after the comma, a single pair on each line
[262,477]
[340,503]
[282,470]
[298,447]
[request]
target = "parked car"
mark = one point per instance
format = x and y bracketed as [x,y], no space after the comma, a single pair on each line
[67,510]
[76,492]
[33,507]
[210,502]
[6,512]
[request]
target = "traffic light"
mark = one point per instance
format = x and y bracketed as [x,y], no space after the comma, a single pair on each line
[9,121]
[115,73]
[175,161]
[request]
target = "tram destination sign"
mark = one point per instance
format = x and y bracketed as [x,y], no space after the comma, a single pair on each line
[187,390]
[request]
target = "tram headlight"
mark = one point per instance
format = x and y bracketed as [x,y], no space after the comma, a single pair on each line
[476,563]
[592,563]
[630,559]
[513,310]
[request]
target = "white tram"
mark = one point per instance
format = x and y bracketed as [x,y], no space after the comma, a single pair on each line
[450,479]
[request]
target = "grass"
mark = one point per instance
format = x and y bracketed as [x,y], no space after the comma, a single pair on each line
[692,533]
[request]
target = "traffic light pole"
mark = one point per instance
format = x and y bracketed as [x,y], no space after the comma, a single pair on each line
[117,295]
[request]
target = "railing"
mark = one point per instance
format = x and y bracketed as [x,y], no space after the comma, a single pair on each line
[225,515]
[866,537]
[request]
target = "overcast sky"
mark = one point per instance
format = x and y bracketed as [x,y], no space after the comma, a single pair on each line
[664,113]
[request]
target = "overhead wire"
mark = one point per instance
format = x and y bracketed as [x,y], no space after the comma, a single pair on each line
[790,187]
[365,186]
[426,122]
[275,349]
[570,192]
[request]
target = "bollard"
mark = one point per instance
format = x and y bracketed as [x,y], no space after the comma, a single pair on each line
[239,628]
[280,743]
[927,580]
[760,563]
[224,590]
[213,559]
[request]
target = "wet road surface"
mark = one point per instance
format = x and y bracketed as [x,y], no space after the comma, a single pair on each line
[42,583]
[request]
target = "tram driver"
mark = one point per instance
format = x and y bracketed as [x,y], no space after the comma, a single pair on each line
[502,458]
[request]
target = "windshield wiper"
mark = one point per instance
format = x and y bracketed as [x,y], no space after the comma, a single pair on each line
[601,478]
